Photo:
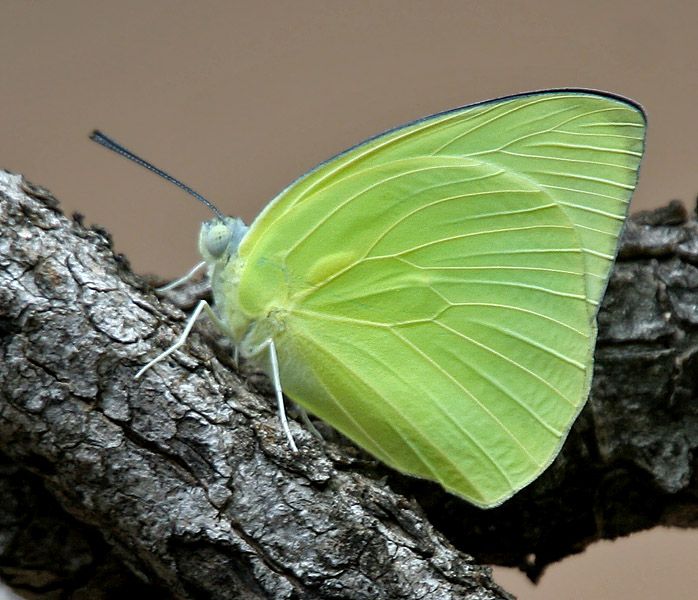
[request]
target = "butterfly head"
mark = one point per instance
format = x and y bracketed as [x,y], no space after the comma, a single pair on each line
[219,239]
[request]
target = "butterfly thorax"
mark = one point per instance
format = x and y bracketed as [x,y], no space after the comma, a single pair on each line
[249,321]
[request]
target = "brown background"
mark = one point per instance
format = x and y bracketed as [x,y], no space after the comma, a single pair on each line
[239,98]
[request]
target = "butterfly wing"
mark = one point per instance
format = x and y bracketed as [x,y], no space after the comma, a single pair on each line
[432,292]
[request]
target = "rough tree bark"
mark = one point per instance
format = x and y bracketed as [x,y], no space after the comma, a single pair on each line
[182,484]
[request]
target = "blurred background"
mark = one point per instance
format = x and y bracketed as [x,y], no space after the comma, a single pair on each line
[239,98]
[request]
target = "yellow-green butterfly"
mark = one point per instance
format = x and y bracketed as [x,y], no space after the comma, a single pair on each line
[432,292]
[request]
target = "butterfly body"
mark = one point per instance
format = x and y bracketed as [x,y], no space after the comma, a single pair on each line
[432,292]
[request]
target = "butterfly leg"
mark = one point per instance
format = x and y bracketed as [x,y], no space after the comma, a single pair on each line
[200,307]
[181,280]
[276,382]
[309,424]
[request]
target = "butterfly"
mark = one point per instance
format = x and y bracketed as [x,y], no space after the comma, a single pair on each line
[432,291]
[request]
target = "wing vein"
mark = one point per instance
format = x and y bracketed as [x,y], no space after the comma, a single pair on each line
[417,429]
[484,408]
[474,234]
[358,194]
[507,359]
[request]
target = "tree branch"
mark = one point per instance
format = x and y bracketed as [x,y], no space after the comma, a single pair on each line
[183,475]
[185,479]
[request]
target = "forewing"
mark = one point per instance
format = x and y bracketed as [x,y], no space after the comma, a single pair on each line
[582,148]
[437,284]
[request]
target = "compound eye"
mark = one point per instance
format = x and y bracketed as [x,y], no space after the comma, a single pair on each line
[217,239]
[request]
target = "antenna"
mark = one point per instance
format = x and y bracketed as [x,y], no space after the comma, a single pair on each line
[107,142]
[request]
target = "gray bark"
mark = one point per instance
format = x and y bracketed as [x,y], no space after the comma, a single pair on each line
[182,484]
